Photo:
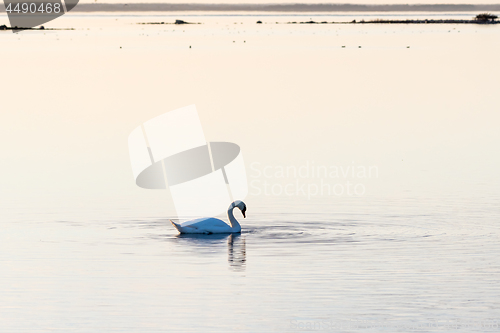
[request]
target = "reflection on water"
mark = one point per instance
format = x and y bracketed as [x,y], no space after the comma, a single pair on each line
[208,244]
[236,252]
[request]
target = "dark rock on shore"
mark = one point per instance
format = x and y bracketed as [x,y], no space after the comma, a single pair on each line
[176,22]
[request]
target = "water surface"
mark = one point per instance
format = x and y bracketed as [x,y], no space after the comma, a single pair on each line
[82,249]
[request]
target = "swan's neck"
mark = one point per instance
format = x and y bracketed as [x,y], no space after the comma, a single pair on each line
[232,220]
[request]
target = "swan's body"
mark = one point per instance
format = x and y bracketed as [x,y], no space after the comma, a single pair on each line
[211,225]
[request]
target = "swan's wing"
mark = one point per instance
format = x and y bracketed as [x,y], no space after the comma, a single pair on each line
[203,228]
[208,225]
[192,227]
[204,223]
[213,222]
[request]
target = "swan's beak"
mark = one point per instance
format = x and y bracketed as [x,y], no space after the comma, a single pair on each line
[243,212]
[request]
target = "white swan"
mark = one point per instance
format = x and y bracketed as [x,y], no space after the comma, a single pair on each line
[211,225]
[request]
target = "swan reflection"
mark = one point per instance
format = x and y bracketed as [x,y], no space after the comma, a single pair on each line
[236,247]
[236,252]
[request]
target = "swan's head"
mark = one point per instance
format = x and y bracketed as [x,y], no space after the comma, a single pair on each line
[241,205]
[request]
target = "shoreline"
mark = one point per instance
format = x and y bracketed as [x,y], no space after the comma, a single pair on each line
[380,21]
[377,21]
[4,27]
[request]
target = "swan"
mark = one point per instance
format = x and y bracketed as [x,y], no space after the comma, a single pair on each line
[211,225]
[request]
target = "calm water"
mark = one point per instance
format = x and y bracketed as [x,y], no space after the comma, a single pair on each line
[84,250]
[367,262]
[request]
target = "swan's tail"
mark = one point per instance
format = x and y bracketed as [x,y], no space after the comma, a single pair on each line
[176,226]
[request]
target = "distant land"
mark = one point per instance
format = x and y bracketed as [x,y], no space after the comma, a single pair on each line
[298,7]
